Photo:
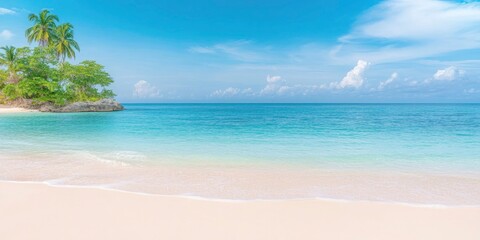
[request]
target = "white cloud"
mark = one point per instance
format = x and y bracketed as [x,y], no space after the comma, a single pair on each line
[397,30]
[274,85]
[226,92]
[408,17]
[277,87]
[5,11]
[6,34]
[392,78]
[354,77]
[231,92]
[273,79]
[235,50]
[271,90]
[448,74]
[143,89]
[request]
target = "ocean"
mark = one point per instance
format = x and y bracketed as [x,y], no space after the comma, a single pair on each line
[409,153]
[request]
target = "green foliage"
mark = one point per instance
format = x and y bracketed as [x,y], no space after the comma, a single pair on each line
[10,59]
[64,43]
[3,77]
[85,80]
[10,92]
[42,75]
[42,78]
[43,30]
[46,32]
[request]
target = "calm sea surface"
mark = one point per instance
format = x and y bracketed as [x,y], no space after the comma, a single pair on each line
[394,143]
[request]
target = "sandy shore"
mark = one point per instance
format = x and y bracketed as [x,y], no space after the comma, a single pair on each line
[37,211]
[7,109]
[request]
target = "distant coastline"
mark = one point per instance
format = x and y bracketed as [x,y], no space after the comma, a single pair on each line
[103,105]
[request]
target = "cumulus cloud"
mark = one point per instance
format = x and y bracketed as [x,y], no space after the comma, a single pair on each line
[273,79]
[6,34]
[354,78]
[448,74]
[5,11]
[392,78]
[143,89]
[275,85]
[424,28]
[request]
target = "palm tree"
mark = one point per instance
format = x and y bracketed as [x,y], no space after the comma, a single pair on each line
[63,43]
[43,30]
[10,59]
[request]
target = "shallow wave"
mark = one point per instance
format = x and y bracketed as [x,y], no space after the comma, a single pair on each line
[128,171]
[128,156]
[120,158]
[57,183]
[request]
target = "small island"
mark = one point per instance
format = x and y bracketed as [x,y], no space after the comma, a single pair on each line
[42,77]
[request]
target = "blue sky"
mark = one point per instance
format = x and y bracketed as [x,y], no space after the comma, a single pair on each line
[273,51]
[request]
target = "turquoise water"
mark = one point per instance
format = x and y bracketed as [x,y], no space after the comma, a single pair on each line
[441,139]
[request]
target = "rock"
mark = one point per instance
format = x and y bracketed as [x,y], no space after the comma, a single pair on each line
[22,103]
[104,105]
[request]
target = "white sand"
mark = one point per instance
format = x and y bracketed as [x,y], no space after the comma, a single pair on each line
[6,109]
[37,211]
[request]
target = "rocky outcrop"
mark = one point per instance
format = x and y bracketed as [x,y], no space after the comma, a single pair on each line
[104,105]
[22,103]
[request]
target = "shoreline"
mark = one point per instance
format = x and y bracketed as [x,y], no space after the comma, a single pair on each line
[9,109]
[65,212]
[227,200]
[241,200]
[242,182]
[102,105]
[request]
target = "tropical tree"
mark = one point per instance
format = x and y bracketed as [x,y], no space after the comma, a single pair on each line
[86,81]
[41,75]
[43,30]
[63,43]
[10,58]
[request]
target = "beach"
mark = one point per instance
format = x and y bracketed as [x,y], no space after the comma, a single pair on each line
[240,120]
[46,212]
[8,109]
[251,171]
